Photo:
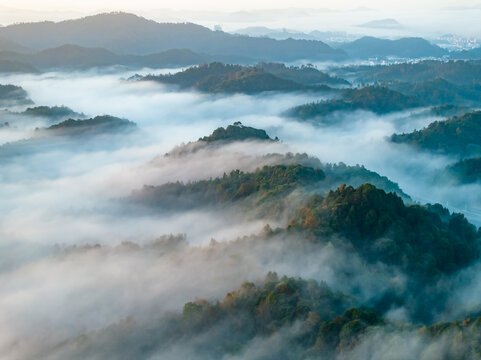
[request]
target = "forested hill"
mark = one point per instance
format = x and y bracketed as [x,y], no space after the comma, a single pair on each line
[456,72]
[114,32]
[94,126]
[440,92]
[236,132]
[221,78]
[268,182]
[11,95]
[458,135]
[427,240]
[304,74]
[466,171]
[53,112]
[369,47]
[377,99]
[282,318]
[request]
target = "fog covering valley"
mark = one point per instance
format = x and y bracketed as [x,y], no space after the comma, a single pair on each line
[238,208]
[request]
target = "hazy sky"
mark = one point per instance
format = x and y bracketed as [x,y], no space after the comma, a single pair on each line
[88,5]
[429,18]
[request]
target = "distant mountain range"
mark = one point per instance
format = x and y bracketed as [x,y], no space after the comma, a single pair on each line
[370,47]
[379,100]
[130,34]
[456,72]
[382,24]
[129,40]
[78,57]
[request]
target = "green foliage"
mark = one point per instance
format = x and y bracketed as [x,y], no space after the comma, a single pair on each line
[98,124]
[263,310]
[458,135]
[345,331]
[379,100]
[381,228]
[456,72]
[449,110]
[267,182]
[338,174]
[304,74]
[369,47]
[220,78]
[13,95]
[438,91]
[51,112]
[462,339]
[236,132]
[467,170]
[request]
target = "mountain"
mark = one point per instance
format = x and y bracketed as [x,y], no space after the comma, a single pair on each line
[445,111]
[382,24]
[370,47]
[11,95]
[7,66]
[458,135]
[379,100]
[264,191]
[283,317]
[336,174]
[439,92]
[427,241]
[473,54]
[272,183]
[466,171]
[94,134]
[53,112]
[7,45]
[236,132]
[95,126]
[68,57]
[115,33]
[457,72]
[221,78]
[278,34]
[39,116]
[305,74]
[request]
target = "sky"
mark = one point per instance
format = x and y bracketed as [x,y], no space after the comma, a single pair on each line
[87,5]
[429,18]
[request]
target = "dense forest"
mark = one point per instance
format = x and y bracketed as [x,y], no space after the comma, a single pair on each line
[377,99]
[457,72]
[466,170]
[458,135]
[70,135]
[221,78]
[424,240]
[305,74]
[448,111]
[97,125]
[267,184]
[53,112]
[439,92]
[336,174]
[280,317]
[236,132]
[11,95]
